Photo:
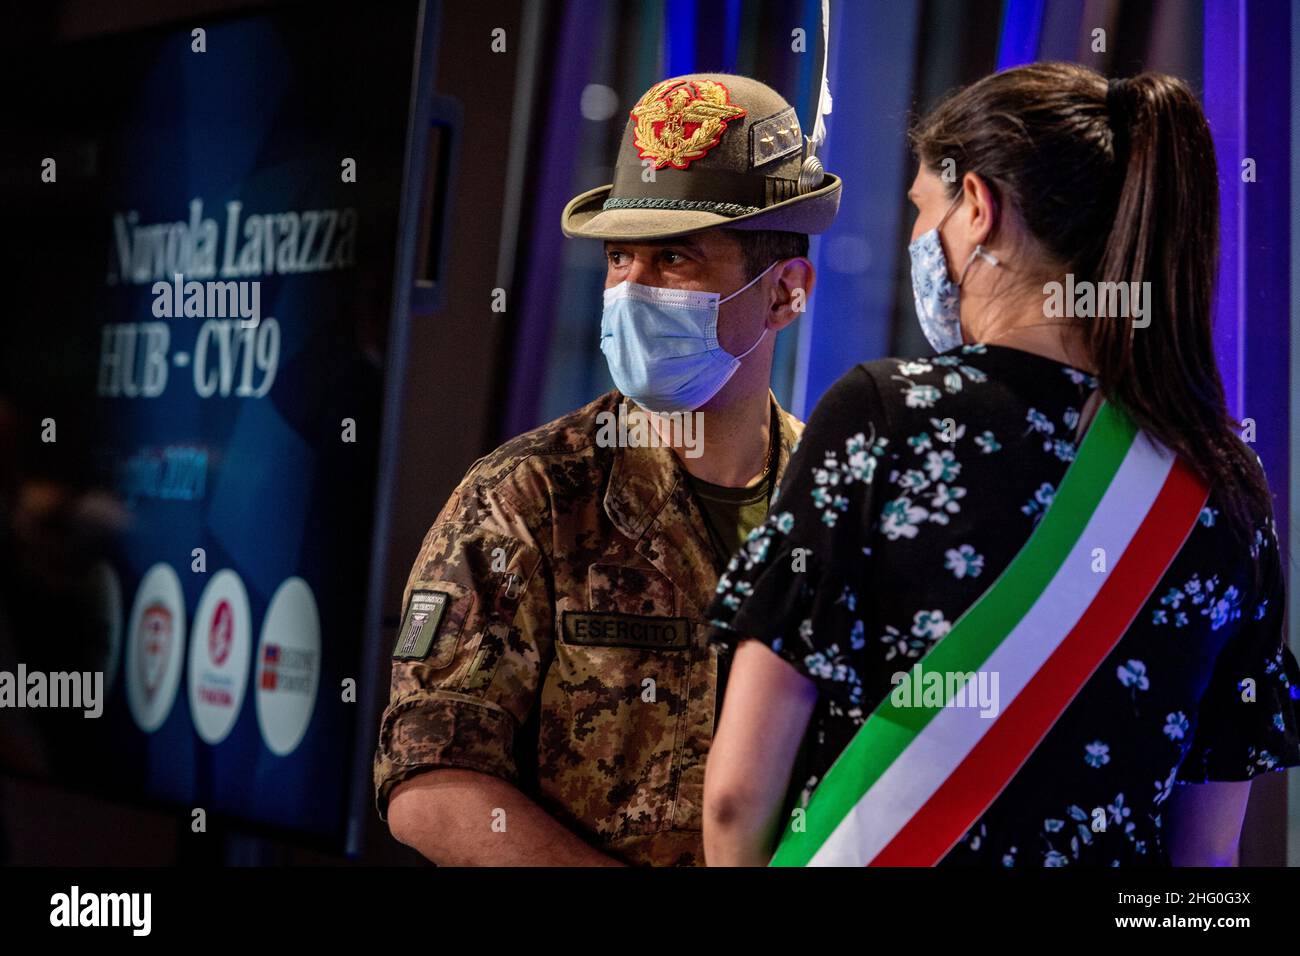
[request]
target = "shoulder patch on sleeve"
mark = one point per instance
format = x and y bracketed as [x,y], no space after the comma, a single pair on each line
[420,624]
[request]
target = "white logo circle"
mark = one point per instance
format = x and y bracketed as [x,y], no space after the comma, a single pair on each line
[288,666]
[220,642]
[155,646]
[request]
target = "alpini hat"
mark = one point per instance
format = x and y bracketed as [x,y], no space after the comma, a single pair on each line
[705,150]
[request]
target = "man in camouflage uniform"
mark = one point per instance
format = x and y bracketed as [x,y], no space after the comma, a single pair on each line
[553,693]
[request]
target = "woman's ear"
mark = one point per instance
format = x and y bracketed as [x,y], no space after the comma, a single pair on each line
[983,211]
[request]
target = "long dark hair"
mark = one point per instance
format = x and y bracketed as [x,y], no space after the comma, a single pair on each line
[1118,182]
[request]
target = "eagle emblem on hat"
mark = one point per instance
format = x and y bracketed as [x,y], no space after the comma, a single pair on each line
[679,121]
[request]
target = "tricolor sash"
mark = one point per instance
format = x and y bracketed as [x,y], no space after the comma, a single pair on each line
[915,778]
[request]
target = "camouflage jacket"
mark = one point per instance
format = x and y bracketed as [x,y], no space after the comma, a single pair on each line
[553,635]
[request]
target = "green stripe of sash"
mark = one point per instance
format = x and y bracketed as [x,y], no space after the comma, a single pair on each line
[973,638]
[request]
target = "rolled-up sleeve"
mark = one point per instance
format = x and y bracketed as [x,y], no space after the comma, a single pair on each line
[461,689]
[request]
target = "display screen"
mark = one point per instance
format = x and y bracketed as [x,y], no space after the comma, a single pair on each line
[208,277]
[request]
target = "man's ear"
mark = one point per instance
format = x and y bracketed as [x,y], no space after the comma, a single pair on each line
[792,284]
[981,207]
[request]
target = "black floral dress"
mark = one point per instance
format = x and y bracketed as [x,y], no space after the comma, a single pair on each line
[914,485]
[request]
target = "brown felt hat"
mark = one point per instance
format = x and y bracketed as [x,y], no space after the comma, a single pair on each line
[705,150]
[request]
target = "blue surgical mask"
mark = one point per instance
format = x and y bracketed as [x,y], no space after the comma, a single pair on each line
[662,344]
[938,298]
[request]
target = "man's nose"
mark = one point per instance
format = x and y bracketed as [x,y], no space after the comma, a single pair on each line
[641,271]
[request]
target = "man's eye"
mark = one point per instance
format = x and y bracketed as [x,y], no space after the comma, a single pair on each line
[672,258]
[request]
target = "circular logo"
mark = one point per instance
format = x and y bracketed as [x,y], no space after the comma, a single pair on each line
[155,643]
[288,666]
[220,644]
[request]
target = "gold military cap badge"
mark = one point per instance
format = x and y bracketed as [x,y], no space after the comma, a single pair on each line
[679,121]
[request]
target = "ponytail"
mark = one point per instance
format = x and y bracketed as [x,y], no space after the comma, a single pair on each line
[1166,233]
[1118,183]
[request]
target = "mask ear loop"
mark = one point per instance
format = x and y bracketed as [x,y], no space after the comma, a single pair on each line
[982,253]
[955,203]
[750,282]
[742,289]
[755,345]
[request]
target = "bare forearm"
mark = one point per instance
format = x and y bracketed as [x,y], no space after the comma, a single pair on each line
[764,716]
[735,836]
[460,817]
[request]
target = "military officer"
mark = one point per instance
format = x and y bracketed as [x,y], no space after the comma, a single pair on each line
[553,692]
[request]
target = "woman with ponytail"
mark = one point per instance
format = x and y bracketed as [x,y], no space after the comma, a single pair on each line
[952,645]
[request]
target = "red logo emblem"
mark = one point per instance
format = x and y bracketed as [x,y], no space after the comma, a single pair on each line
[221,633]
[270,658]
[155,645]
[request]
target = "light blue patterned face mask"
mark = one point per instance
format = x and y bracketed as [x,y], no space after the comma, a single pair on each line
[662,344]
[938,298]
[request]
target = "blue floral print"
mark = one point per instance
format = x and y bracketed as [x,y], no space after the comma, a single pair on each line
[1097,754]
[963,561]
